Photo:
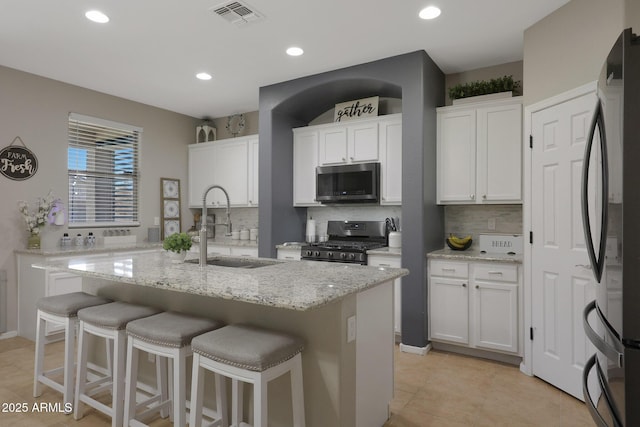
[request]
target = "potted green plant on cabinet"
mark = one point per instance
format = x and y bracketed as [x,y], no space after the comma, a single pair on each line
[177,245]
[503,84]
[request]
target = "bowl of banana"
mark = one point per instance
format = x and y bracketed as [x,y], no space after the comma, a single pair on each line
[459,243]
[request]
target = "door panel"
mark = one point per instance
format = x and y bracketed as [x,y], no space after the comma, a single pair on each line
[560,279]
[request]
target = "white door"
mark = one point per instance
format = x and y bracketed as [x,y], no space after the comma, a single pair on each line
[561,281]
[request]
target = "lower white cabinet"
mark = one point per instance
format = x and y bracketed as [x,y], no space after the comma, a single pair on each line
[476,304]
[289,253]
[393,262]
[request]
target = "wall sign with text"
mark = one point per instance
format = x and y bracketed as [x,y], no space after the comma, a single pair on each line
[18,162]
[357,109]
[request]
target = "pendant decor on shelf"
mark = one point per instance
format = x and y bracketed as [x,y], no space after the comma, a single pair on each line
[356,109]
[235,124]
[18,162]
[206,132]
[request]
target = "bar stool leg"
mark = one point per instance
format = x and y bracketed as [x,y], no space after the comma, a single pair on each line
[39,362]
[70,335]
[237,401]
[130,389]
[162,385]
[197,390]
[117,375]
[221,399]
[260,403]
[81,375]
[179,392]
[297,392]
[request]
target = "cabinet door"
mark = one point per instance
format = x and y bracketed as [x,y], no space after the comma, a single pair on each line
[456,135]
[449,309]
[231,172]
[495,320]
[305,161]
[253,172]
[363,142]
[201,167]
[499,154]
[391,162]
[333,145]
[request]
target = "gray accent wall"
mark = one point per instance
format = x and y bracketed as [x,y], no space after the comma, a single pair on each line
[414,78]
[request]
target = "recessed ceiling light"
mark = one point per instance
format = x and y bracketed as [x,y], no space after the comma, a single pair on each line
[97,16]
[204,76]
[429,12]
[295,51]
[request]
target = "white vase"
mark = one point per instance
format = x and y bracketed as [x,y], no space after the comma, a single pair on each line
[176,256]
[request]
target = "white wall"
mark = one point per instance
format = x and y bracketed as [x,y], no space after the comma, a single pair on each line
[36,109]
[566,49]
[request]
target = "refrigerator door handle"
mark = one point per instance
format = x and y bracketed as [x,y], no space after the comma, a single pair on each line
[596,261]
[612,353]
[591,406]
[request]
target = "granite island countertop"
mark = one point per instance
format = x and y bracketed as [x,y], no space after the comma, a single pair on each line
[295,285]
[474,255]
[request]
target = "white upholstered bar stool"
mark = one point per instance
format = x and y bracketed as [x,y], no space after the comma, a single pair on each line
[167,335]
[61,310]
[247,354]
[106,321]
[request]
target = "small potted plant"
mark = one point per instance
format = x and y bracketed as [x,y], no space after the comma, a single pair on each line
[177,245]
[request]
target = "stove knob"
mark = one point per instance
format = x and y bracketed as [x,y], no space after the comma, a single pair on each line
[308,253]
[343,255]
[330,254]
[317,253]
[352,256]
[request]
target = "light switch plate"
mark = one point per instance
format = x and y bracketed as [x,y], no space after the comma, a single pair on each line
[351,329]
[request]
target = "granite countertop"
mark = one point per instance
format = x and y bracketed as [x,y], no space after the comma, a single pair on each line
[295,285]
[474,255]
[89,249]
[227,241]
[386,251]
[291,245]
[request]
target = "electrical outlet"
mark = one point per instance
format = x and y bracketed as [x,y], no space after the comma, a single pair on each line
[491,224]
[156,220]
[351,329]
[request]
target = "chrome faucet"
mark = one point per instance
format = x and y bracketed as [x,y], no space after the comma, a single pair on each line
[203,228]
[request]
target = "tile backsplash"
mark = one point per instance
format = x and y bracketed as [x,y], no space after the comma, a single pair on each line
[462,220]
[322,214]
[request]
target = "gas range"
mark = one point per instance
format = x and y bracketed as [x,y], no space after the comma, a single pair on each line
[348,242]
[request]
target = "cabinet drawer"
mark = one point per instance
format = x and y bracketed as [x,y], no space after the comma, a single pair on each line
[384,261]
[496,272]
[450,269]
[243,251]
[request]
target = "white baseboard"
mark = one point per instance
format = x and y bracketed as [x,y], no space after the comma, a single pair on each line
[415,350]
[10,334]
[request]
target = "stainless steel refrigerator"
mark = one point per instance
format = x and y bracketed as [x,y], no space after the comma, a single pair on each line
[611,219]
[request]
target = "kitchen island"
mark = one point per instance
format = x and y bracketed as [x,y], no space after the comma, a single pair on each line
[344,312]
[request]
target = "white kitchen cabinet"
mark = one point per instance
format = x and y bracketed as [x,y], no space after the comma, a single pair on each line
[352,143]
[390,146]
[254,179]
[372,140]
[480,152]
[231,163]
[305,161]
[289,254]
[475,304]
[393,262]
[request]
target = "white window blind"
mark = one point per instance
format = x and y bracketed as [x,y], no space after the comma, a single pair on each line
[103,172]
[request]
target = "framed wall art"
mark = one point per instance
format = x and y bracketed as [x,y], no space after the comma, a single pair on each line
[169,206]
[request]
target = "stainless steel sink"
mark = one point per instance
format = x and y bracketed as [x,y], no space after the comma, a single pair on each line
[236,262]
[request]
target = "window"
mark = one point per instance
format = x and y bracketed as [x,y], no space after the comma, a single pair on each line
[103,172]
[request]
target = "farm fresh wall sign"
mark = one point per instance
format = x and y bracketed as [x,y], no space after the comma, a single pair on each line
[360,108]
[18,162]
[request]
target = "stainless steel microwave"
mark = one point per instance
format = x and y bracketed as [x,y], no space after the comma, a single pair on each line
[355,183]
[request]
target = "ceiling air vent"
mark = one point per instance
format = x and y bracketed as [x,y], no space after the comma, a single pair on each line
[238,13]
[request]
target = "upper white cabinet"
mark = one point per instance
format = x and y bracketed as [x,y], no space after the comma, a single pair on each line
[350,143]
[480,152]
[369,140]
[305,160]
[230,163]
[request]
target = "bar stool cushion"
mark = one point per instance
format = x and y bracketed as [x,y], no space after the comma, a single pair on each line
[170,329]
[115,315]
[67,305]
[247,347]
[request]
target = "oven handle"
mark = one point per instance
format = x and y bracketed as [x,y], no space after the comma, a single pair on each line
[612,353]
[591,406]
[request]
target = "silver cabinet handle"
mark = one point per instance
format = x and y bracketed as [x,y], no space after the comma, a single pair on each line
[384,265]
[471,196]
[495,272]
[448,269]
[464,285]
[343,159]
[477,286]
[484,196]
[588,267]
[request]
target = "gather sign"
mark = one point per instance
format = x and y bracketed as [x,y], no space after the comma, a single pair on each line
[18,163]
[360,108]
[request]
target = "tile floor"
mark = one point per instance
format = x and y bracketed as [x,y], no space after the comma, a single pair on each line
[441,389]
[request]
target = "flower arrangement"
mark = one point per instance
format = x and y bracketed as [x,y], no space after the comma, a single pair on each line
[177,243]
[40,217]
